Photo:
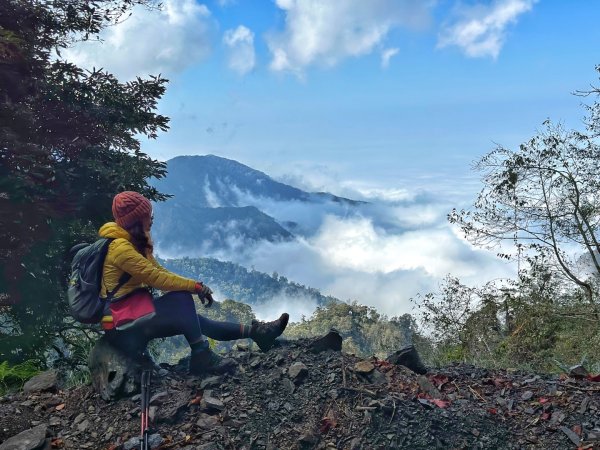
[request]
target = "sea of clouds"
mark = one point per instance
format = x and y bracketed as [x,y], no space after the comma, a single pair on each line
[381,253]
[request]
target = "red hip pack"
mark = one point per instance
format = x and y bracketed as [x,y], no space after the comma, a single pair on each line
[133,309]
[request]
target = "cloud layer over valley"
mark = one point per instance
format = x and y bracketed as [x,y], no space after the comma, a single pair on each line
[381,252]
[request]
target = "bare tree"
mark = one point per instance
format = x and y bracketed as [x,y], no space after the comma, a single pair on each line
[543,198]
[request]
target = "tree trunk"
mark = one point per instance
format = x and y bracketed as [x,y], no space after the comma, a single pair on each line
[114,373]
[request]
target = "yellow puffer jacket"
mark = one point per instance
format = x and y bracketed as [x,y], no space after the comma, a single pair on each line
[122,257]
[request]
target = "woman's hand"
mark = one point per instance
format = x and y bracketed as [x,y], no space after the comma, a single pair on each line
[204,294]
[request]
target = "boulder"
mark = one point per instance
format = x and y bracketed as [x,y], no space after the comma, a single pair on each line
[578,371]
[45,381]
[331,341]
[114,373]
[34,438]
[408,357]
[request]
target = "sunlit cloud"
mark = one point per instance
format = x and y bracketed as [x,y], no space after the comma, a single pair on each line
[481,30]
[387,55]
[150,42]
[322,32]
[240,45]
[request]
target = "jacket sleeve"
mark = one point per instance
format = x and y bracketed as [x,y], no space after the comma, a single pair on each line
[148,271]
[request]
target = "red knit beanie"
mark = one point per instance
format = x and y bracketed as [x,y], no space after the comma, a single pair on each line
[130,207]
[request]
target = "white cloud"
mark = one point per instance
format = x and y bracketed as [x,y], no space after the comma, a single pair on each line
[481,30]
[240,44]
[381,253]
[324,32]
[387,55]
[296,306]
[352,259]
[150,42]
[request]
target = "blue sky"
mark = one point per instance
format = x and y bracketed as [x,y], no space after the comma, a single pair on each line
[334,108]
[384,100]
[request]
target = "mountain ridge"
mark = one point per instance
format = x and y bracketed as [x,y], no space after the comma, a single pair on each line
[218,203]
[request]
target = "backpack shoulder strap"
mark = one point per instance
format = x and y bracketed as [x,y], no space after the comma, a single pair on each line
[124,278]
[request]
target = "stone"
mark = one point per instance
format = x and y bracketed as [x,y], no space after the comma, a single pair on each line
[409,358]
[255,362]
[83,425]
[364,367]
[132,443]
[331,341]
[54,421]
[308,439]
[377,378]
[428,387]
[578,371]
[207,422]
[571,435]
[210,402]
[355,444]
[154,440]
[527,395]
[45,381]
[152,413]
[288,385]
[26,440]
[159,397]
[211,382]
[114,374]
[298,371]
[242,346]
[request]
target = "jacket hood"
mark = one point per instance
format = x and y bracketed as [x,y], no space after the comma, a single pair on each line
[114,231]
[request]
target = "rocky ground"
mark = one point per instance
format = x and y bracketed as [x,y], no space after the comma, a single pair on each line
[293,398]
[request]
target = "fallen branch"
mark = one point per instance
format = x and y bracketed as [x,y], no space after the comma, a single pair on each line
[360,391]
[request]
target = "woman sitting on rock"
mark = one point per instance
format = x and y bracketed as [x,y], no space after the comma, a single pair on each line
[136,317]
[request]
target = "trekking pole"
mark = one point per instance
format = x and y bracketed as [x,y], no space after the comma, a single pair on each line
[145,397]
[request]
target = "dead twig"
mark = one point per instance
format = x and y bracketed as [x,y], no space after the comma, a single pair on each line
[393,412]
[360,391]
[477,394]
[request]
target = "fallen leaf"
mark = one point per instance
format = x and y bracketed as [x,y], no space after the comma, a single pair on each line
[595,378]
[57,443]
[438,380]
[544,400]
[195,401]
[383,364]
[60,407]
[327,423]
[492,410]
[440,403]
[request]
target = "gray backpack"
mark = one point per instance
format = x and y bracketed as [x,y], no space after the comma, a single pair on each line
[83,291]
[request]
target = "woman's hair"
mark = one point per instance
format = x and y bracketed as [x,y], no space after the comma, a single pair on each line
[141,239]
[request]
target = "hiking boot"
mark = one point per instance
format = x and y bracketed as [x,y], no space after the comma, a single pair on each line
[265,333]
[207,361]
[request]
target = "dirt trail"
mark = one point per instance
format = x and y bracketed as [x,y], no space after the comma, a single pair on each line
[292,398]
